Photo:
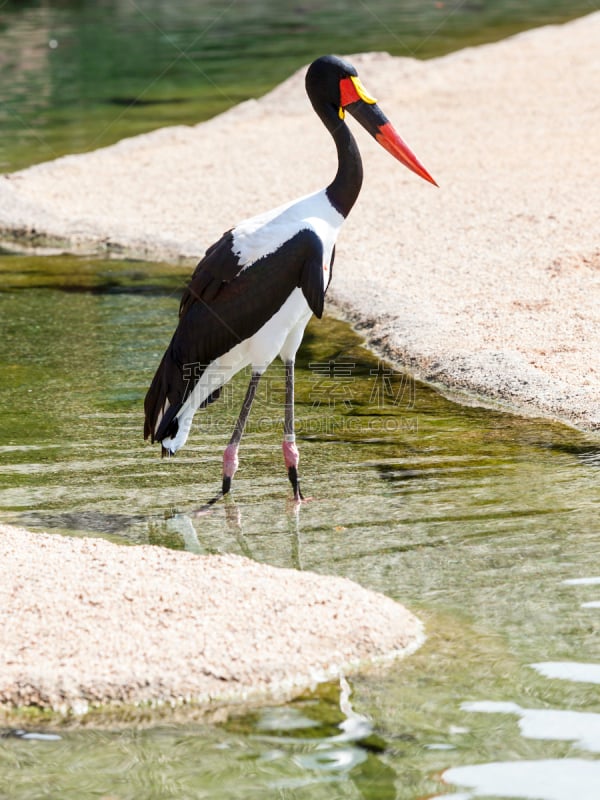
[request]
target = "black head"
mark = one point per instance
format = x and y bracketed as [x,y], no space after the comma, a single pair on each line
[323,81]
[333,87]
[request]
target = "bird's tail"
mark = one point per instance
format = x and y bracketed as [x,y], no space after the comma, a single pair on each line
[168,393]
[163,400]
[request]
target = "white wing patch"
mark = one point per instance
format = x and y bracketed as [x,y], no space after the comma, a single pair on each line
[264,234]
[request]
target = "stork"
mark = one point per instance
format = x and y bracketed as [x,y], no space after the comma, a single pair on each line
[254,291]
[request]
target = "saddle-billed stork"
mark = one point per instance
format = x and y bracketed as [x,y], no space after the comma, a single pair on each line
[252,295]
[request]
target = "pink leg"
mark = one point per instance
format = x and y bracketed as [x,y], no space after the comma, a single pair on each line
[230,461]
[230,456]
[290,451]
[292,457]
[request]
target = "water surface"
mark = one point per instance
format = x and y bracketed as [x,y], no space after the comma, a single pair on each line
[485,524]
[76,76]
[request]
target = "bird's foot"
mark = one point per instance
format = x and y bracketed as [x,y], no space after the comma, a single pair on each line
[208,506]
[295,481]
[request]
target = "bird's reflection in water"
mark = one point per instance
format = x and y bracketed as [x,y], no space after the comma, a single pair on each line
[188,531]
[325,738]
[329,742]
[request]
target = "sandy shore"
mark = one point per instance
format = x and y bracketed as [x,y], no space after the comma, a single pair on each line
[490,284]
[85,622]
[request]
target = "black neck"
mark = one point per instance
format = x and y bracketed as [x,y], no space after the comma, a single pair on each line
[345,187]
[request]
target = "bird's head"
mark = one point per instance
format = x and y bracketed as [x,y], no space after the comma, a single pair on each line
[333,85]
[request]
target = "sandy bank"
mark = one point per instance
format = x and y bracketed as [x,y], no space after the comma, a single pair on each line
[84,621]
[489,284]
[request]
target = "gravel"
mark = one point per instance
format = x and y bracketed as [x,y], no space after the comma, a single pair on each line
[87,623]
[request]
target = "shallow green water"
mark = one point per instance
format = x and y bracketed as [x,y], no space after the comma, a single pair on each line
[473,518]
[75,75]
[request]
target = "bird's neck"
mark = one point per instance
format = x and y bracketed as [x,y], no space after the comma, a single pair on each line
[345,187]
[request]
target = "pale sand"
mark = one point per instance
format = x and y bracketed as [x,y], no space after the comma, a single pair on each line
[490,284]
[84,622]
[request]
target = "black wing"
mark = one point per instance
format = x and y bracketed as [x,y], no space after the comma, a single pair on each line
[220,265]
[223,305]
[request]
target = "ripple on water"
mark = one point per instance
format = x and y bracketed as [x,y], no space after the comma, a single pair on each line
[569,671]
[547,779]
[478,520]
[544,723]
